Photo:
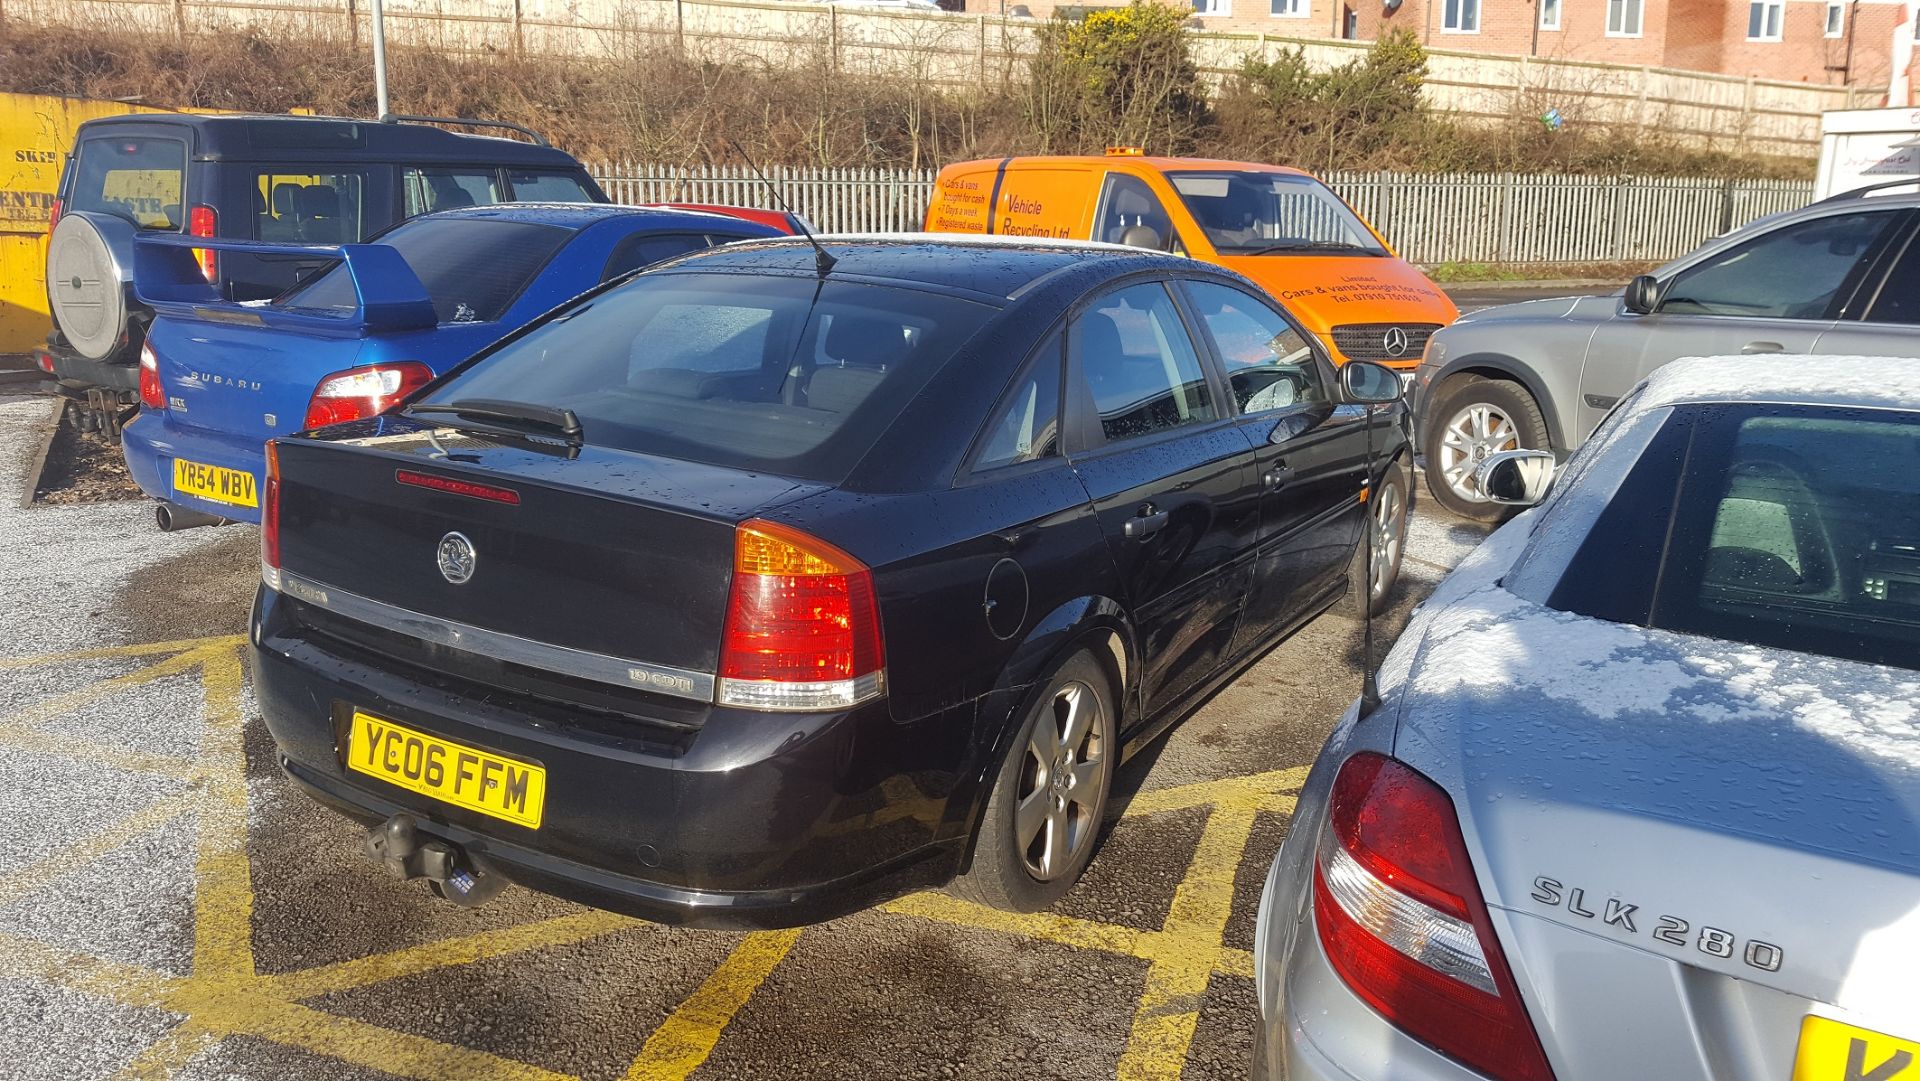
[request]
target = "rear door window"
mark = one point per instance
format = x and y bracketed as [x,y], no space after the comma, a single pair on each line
[308,208]
[136,177]
[472,267]
[1899,299]
[428,190]
[786,374]
[534,186]
[1140,368]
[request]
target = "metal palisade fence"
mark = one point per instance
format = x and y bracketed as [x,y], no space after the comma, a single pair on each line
[1467,218]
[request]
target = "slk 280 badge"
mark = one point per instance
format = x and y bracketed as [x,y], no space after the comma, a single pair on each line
[1669,930]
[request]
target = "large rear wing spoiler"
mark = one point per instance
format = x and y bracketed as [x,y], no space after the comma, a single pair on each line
[388,295]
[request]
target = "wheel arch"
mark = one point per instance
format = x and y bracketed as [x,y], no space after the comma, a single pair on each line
[1513,370]
[1098,624]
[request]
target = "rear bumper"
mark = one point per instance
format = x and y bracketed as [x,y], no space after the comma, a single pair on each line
[151,443]
[750,820]
[74,368]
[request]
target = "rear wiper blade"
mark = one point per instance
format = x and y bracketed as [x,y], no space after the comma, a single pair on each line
[537,416]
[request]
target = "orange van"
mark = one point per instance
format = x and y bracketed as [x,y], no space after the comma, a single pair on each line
[1281,227]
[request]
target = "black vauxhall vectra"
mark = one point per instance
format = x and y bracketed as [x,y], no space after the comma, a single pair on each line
[770,584]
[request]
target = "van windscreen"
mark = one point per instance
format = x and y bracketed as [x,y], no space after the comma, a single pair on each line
[1252,212]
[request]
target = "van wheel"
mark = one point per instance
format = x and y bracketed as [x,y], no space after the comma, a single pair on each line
[1470,421]
[1388,509]
[1049,797]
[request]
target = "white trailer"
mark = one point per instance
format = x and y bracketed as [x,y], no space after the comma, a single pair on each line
[1867,146]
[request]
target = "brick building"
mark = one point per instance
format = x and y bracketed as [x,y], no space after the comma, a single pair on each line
[1839,42]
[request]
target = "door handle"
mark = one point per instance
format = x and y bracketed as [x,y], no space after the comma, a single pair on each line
[1763,347]
[1277,477]
[1146,522]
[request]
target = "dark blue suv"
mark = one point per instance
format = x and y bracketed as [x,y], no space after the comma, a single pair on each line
[279,179]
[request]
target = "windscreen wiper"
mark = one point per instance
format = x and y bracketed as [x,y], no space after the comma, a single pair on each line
[499,409]
[1309,245]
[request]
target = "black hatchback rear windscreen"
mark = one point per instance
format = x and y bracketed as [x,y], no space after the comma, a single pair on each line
[791,375]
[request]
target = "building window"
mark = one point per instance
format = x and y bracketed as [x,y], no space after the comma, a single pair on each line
[1461,17]
[1623,18]
[1549,14]
[1836,18]
[1290,9]
[1763,20]
[1213,7]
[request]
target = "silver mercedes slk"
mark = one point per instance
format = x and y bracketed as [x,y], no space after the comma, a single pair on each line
[1641,794]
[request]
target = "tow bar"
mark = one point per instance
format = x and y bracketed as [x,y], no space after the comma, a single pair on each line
[453,872]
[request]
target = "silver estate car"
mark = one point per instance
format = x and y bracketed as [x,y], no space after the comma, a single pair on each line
[1640,797]
[1840,276]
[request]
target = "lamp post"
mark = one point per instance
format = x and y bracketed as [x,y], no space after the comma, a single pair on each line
[379,61]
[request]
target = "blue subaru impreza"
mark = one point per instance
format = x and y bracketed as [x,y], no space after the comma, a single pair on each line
[218,378]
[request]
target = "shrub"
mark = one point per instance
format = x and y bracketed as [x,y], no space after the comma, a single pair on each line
[1119,77]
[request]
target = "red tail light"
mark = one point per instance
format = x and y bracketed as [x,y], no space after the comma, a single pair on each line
[202,221]
[358,393]
[53,217]
[803,626]
[152,394]
[270,520]
[1402,921]
[46,361]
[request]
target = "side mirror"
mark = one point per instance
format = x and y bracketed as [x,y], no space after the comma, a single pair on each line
[1643,294]
[1363,382]
[1143,236]
[1516,478]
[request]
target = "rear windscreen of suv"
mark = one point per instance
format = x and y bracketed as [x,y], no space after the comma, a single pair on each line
[138,177]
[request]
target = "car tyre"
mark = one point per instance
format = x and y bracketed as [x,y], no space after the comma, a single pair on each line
[1472,419]
[1050,794]
[1389,508]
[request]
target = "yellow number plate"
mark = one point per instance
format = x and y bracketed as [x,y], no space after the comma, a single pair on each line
[1831,1051]
[231,486]
[455,773]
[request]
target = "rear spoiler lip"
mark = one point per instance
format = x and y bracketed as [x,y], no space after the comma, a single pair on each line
[389,295]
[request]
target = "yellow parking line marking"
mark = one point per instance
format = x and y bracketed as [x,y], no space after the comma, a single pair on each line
[223,902]
[66,702]
[688,1036]
[1176,983]
[18,884]
[1205,793]
[160,1061]
[1062,930]
[142,649]
[25,958]
[386,1050]
[99,754]
[361,971]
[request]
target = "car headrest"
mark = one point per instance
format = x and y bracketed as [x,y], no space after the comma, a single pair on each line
[841,390]
[286,198]
[857,341]
[319,201]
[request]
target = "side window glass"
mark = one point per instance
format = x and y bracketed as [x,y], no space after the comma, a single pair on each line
[1127,203]
[1793,272]
[1899,299]
[647,249]
[307,208]
[449,189]
[1269,364]
[1140,367]
[1026,426]
[536,187]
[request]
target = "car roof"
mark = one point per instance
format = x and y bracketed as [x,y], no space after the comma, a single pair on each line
[246,137]
[1786,379]
[581,215]
[1159,164]
[994,266]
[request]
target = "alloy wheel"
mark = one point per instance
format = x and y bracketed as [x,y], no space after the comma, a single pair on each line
[1470,437]
[1062,781]
[1389,532]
